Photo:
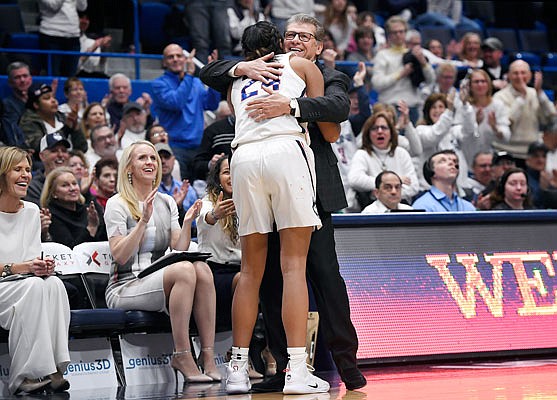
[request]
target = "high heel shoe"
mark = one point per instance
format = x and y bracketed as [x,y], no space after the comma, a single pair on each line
[199,378]
[214,374]
[58,383]
[270,362]
[32,386]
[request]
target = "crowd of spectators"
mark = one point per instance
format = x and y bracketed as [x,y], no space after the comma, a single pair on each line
[452,129]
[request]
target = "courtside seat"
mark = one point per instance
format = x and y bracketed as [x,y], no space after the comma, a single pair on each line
[97,322]
[146,321]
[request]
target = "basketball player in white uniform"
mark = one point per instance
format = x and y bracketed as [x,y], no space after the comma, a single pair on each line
[273,180]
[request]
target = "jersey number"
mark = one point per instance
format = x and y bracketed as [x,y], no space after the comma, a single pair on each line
[274,84]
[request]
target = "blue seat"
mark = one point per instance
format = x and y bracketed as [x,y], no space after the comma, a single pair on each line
[99,321]
[441,33]
[146,321]
[151,26]
[22,40]
[532,59]
[533,40]
[550,60]
[507,36]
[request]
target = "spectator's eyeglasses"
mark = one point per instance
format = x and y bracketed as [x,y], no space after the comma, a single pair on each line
[157,134]
[380,128]
[304,36]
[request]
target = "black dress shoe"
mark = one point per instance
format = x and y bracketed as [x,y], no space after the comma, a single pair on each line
[273,384]
[353,378]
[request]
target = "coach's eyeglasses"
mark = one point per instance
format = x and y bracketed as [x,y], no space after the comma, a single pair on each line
[304,36]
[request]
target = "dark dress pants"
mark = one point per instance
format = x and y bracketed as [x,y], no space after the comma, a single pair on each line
[330,295]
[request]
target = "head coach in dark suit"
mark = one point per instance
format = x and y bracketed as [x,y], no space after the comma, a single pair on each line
[303,37]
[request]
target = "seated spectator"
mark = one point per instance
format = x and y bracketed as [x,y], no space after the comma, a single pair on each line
[36,310]
[470,53]
[441,172]
[59,30]
[367,19]
[73,221]
[105,179]
[438,117]
[435,47]
[120,87]
[391,77]
[80,168]
[184,194]
[139,234]
[94,115]
[445,78]
[481,182]
[54,152]
[446,13]
[502,161]
[364,51]
[492,52]
[388,192]
[380,152]
[19,81]
[77,98]
[408,138]
[132,125]
[512,191]
[365,42]
[528,108]
[42,117]
[543,185]
[103,145]
[157,134]
[492,117]
[217,233]
[91,66]
[339,25]
[242,14]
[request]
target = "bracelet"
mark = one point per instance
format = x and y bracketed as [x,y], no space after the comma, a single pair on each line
[214,215]
[7,270]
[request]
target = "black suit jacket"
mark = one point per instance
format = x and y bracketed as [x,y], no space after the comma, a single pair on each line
[334,106]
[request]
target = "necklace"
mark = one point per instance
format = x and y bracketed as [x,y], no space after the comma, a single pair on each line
[381,160]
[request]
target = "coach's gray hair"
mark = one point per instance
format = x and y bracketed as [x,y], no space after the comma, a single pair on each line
[308,19]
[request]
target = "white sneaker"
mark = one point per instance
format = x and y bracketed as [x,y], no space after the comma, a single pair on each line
[299,380]
[237,379]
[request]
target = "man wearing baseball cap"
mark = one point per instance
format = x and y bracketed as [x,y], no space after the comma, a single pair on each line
[182,192]
[54,152]
[492,49]
[42,117]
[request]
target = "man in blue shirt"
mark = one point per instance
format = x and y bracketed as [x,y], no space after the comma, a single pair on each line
[179,99]
[182,192]
[441,172]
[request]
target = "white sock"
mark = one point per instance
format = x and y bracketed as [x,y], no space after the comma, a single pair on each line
[240,354]
[297,353]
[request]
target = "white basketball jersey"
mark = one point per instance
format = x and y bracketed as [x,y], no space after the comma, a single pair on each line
[244,90]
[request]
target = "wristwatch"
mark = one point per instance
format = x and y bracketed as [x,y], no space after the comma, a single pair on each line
[7,270]
[293,107]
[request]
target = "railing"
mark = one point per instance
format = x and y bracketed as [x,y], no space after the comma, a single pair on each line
[50,53]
